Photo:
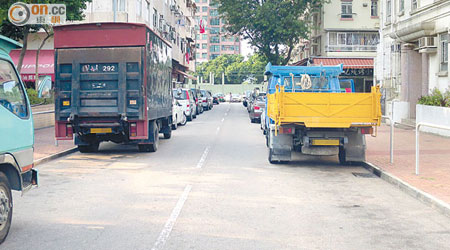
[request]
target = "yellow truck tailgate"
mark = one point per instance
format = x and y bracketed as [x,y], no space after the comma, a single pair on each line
[325,110]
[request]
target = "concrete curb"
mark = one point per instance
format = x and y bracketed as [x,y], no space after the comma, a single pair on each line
[55,156]
[420,195]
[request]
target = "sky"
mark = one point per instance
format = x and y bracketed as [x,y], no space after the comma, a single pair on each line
[246,49]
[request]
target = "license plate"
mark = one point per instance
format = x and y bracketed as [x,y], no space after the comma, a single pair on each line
[100,130]
[325,142]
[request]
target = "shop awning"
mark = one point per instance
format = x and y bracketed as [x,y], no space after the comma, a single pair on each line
[46,63]
[185,74]
[349,63]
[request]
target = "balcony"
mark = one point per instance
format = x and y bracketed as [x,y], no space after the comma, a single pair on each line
[350,48]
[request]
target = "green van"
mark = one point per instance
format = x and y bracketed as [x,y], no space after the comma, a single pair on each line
[16,136]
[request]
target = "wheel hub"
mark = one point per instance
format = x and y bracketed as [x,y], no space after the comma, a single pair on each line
[5,207]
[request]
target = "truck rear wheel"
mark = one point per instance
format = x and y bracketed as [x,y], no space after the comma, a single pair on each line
[6,207]
[92,147]
[175,123]
[168,133]
[342,158]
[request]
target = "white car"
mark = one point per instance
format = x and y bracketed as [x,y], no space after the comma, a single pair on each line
[186,98]
[178,115]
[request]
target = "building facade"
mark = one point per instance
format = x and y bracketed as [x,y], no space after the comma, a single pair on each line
[345,31]
[171,19]
[412,57]
[215,41]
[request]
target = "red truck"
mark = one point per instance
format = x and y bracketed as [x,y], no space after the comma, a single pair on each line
[112,83]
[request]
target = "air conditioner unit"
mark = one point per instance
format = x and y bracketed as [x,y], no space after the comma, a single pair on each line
[173,8]
[427,42]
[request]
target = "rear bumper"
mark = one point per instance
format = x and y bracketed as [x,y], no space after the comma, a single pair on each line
[255,115]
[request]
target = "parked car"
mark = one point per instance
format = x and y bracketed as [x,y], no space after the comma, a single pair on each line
[186,98]
[207,100]
[16,136]
[262,121]
[246,97]
[178,115]
[216,99]
[198,101]
[257,107]
[235,98]
[221,97]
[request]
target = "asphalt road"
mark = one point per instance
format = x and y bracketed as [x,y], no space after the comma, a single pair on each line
[211,187]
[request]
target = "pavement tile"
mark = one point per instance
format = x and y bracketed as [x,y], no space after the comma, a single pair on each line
[434,177]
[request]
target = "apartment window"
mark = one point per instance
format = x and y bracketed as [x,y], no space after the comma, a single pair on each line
[205,9]
[214,48]
[414,4]
[205,1]
[197,37]
[204,37]
[214,21]
[149,14]
[213,56]
[352,41]
[346,9]
[388,11]
[197,46]
[236,47]
[197,1]
[214,30]
[401,5]
[213,13]
[155,18]
[215,39]
[204,55]
[374,9]
[443,51]
[121,5]
[204,46]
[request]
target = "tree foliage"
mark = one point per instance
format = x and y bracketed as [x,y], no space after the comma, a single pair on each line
[234,67]
[273,27]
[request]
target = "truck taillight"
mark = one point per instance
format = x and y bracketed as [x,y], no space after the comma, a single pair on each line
[133,129]
[69,130]
[368,130]
[285,130]
[203,100]
[256,108]
[187,105]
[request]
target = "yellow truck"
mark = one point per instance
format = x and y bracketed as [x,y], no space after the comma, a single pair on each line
[309,109]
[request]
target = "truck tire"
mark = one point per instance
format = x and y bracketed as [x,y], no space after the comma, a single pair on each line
[91,148]
[189,118]
[154,146]
[6,208]
[342,159]
[168,134]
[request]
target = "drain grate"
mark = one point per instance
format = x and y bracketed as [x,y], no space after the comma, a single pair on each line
[364,175]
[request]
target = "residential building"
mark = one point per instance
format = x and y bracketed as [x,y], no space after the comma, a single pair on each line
[215,41]
[171,19]
[413,53]
[345,31]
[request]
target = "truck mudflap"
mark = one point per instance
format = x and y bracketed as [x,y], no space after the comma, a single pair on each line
[280,146]
[354,150]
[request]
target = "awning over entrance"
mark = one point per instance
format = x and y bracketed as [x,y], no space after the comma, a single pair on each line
[46,63]
[349,63]
[186,75]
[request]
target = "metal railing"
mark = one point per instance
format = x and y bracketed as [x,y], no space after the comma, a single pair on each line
[424,124]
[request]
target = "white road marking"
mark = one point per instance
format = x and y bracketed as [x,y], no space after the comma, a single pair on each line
[203,158]
[165,233]
[217,131]
[223,119]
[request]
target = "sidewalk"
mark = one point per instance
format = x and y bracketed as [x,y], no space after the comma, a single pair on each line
[44,143]
[434,177]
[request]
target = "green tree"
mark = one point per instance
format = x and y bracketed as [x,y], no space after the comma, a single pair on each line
[74,12]
[273,27]
[235,68]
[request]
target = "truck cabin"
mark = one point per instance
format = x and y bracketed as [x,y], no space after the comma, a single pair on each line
[305,78]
